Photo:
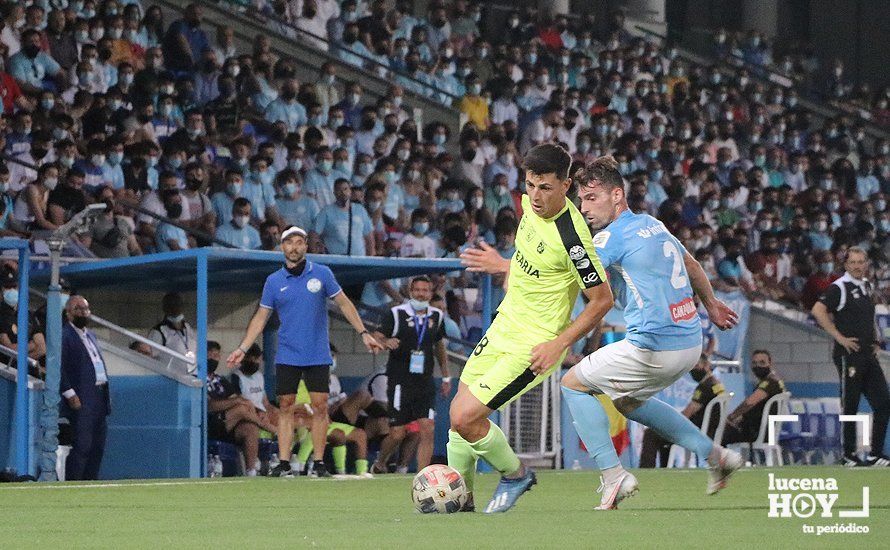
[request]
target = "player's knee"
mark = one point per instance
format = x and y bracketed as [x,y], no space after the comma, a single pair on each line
[626,405]
[570,381]
[287,403]
[464,422]
[320,408]
[336,438]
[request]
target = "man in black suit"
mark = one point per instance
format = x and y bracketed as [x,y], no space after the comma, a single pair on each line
[84,386]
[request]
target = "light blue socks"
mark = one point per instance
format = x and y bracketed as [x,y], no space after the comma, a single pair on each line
[592,424]
[673,426]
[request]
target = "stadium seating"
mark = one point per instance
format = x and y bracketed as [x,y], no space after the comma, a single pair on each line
[719,403]
[772,454]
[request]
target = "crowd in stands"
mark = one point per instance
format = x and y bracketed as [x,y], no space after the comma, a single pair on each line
[107,101]
[819,78]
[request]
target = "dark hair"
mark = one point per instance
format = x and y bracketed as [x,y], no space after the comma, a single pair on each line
[420,279]
[548,158]
[603,170]
[240,202]
[254,351]
[762,352]
[213,345]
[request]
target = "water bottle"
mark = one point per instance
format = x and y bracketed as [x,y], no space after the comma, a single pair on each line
[211,466]
[218,467]
[576,465]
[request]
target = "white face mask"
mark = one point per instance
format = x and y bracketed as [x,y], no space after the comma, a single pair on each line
[418,305]
[241,221]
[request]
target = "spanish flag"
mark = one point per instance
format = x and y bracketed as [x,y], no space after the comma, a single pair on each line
[617,426]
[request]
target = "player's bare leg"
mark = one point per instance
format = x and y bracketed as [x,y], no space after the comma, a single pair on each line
[320,422]
[285,435]
[407,452]
[425,445]
[387,446]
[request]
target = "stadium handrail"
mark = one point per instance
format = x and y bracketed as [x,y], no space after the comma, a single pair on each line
[197,233]
[131,335]
[332,46]
[774,77]
[11,374]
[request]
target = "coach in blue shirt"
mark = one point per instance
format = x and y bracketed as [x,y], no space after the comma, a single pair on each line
[299,292]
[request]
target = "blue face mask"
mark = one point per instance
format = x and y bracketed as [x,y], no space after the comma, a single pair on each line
[265,177]
[175,163]
[325,165]
[11,297]
[421,228]
[440,139]
[342,166]
[295,164]
[827,267]
[390,176]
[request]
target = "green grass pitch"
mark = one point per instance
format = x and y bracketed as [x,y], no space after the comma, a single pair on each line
[671,511]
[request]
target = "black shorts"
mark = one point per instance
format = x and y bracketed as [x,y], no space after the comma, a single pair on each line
[410,401]
[287,378]
[216,427]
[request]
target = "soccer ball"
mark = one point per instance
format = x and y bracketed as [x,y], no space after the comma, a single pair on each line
[438,489]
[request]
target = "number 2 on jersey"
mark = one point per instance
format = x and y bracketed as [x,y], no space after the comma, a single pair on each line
[678,280]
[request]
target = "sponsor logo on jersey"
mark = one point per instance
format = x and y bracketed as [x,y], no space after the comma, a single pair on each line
[577,252]
[651,230]
[683,310]
[583,263]
[526,266]
[590,278]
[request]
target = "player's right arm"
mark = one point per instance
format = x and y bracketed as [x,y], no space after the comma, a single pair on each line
[600,302]
[254,329]
[721,314]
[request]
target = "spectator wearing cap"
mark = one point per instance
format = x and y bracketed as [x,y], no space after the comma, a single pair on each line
[238,232]
[345,227]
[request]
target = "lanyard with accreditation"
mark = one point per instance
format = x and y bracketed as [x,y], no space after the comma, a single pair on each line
[417,355]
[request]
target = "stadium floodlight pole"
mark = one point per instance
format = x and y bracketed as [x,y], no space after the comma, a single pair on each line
[49,415]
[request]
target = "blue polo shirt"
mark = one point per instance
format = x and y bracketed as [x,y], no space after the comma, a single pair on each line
[301,304]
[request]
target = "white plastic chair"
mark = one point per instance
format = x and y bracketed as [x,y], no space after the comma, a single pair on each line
[721,401]
[777,404]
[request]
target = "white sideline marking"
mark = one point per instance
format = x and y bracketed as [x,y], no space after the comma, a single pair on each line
[124,485]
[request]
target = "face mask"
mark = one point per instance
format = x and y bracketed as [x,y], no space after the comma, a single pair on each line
[477,202]
[82,37]
[295,164]
[175,319]
[175,163]
[885,226]
[421,228]
[80,321]
[115,158]
[440,139]
[291,188]
[374,206]
[760,372]
[475,89]
[355,98]
[390,176]
[11,297]
[880,205]
[234,189]
[265,177]
[326,166]
[241,221]
[50,183]
[335,123]
[403,154]
[418,305]
[765,225]
[821,226]
[212,365]
[698,374]
[116,33]
[97,160]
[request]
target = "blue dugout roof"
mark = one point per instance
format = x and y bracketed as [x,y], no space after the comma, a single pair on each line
[230,270]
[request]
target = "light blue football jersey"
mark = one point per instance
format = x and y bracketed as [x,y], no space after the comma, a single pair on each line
[648,275]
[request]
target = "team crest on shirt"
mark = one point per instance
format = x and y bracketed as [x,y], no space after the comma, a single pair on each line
[313,285]
[541,247]
[577,252]
[601,238]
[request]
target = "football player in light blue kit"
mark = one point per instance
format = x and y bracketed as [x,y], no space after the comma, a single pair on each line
[654,278]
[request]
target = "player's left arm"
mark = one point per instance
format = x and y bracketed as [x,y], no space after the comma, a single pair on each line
[721,314]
